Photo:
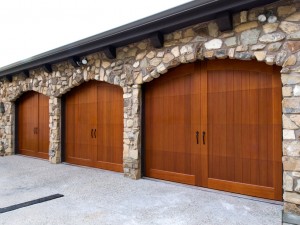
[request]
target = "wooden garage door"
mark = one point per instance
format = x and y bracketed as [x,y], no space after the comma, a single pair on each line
[94,126]
[33,125]
[216,124]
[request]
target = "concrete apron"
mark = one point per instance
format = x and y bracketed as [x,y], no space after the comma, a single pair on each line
[93,196]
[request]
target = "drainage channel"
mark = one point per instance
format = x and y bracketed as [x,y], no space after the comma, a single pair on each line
[29,203]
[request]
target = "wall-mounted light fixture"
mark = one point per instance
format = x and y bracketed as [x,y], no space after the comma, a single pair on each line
[269,15]
[262,18]
[2,108]
[77,62]
[84,61]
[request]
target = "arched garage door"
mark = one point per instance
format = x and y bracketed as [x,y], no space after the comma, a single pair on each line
[33,125]
[216,124]
[94,126]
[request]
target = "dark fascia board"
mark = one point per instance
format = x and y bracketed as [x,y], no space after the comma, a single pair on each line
[164,22]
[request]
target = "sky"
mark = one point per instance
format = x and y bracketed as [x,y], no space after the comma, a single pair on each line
[31,27]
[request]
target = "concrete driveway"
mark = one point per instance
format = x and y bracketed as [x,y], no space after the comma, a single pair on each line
[93,196]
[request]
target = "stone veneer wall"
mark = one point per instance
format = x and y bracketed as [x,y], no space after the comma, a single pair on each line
[277,43]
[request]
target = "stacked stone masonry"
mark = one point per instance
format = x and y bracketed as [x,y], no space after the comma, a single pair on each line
[273,43]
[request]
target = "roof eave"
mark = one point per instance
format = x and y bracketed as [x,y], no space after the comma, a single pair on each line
[164,22]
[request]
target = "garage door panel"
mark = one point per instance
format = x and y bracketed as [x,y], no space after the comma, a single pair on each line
[27,123]
[110,124]
[94,131]
[250,131]
[33,125]
[43,129]
[168,124]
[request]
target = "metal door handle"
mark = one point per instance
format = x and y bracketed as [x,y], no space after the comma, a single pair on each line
[95,133]
[92,133]
[197,137]
[203,137]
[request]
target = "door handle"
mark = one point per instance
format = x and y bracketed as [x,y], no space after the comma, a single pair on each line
[92,133]
[95,133]
[197,137]
[203,137]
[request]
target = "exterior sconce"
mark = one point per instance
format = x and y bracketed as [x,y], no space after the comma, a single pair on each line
[272,19]
[267,16]
[77,62]
[262,18]
[84,61]
[2,108]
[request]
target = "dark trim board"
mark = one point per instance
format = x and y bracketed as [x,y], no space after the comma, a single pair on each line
[165,22]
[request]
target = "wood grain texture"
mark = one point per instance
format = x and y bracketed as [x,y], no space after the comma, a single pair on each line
[94,126]
[238,106]
[171,134]
[243,99]
[33,125]
[109,133]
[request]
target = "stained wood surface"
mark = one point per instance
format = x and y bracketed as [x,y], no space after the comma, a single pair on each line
[244,123]
[238,106]
[33,125]
[169,134]
[109,124]
[94,126]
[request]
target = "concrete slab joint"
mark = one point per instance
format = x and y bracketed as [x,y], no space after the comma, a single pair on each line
[273,43]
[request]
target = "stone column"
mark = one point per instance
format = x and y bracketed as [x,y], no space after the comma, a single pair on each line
[291,142]
[132,132]
[7,128]
[55,130]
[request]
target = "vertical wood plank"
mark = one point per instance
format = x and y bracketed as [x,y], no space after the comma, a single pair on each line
[245,127]
[264,104]
[221,124]
[253,129]
[70,125]
[43,125]
[238,105]
[230,135]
